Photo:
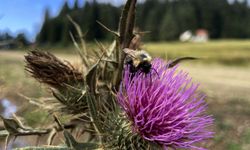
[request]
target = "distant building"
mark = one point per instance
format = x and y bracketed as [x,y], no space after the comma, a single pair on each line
[186,36]
[201,35]
[8,44]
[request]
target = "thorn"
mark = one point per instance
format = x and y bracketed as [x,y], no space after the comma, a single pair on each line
[102,48]
[58,122]
[7,141]
[14,139]
[51,136]
[18,121]
[106,28]
[83,57]
[100,58]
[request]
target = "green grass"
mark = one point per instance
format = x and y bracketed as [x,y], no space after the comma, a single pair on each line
[223,72]
[224,52]
[233,146]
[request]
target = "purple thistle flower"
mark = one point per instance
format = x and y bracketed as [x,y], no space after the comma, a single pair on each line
[165,108]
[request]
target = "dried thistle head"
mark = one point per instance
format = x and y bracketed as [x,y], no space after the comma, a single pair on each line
[48,69]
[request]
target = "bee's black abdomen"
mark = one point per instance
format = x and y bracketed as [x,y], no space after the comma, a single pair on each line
[133,69]
[128,61]
[145,67]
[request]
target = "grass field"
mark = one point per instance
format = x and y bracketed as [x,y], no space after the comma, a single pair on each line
[223,71]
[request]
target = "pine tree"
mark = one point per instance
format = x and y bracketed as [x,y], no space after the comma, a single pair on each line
[154,19]
[76,5]
[94,30]
[65,9]
[169,26]
[22,40]
[42,37]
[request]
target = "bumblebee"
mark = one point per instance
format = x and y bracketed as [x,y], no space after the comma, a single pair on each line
[141,61]
[138,61]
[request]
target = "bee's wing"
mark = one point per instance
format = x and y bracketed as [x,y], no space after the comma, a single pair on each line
[130,52]
[133,55]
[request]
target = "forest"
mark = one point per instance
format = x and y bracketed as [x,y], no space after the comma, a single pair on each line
[165,20]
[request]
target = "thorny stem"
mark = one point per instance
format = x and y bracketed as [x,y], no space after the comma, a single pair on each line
[126,26]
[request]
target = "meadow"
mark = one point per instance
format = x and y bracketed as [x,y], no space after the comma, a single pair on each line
[223,71]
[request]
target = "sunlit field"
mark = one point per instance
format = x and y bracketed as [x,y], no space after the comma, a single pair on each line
[223,71]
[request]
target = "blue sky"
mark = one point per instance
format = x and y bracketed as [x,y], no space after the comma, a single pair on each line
[27,15]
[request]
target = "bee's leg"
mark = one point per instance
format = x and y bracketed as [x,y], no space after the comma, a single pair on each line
[132,76]
[156,72]
[139,72]
[150,76]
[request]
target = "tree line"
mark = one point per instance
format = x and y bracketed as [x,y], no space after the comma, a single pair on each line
[7,41]
[165,19]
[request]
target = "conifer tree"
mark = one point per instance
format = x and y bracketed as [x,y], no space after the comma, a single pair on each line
[42,37]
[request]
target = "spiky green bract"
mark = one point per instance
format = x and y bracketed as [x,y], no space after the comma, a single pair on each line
[119,136]
[165,107]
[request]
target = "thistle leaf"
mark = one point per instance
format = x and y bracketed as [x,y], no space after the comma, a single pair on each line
[111,49]
[72,143]
[45,148]
[15,127]
[4,133]
[80,34]
[11,125]
[106,28]
[91,77]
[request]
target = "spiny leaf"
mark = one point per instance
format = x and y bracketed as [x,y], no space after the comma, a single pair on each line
[111,49]
[83,57]
[106,28]
[45,148]
[80,34]
[4,133]
[72,143]
[91,77]
[13,126]
[94,113]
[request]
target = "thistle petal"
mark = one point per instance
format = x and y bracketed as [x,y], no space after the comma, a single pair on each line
[165,108]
